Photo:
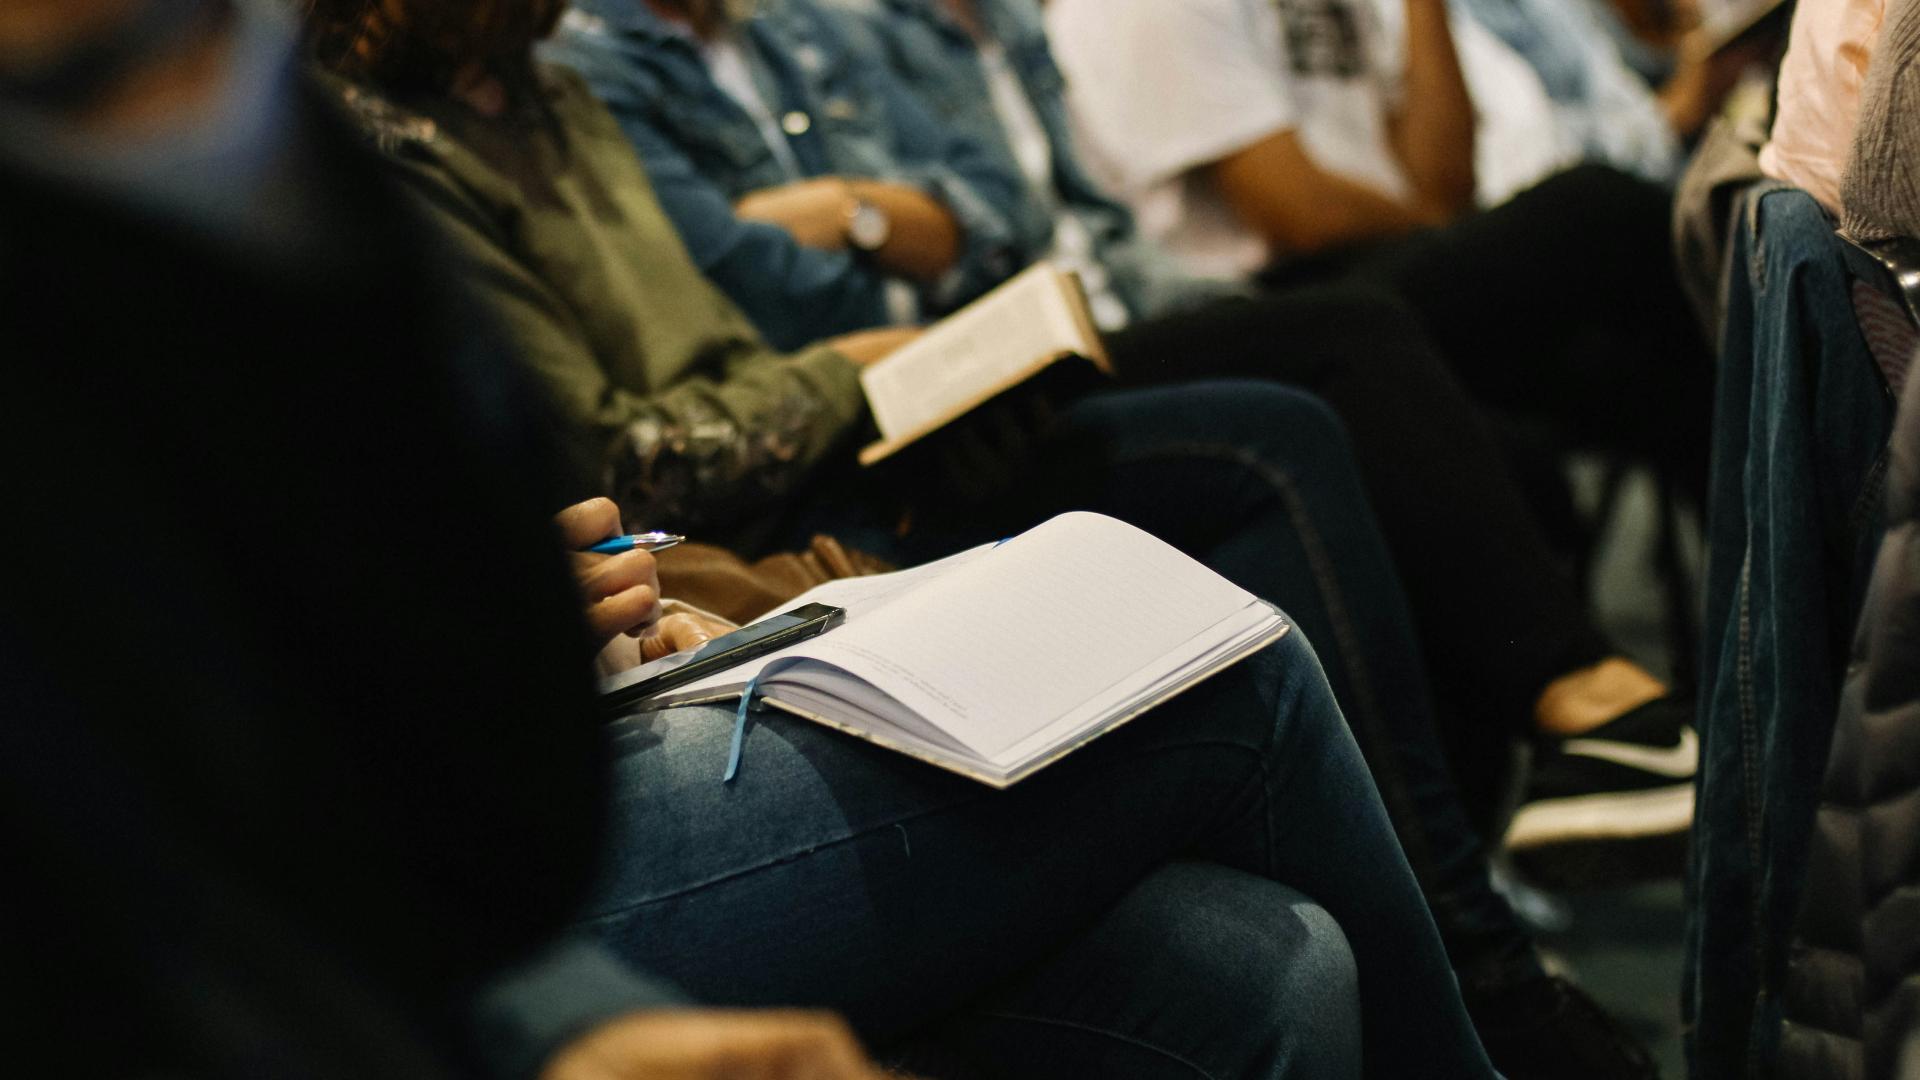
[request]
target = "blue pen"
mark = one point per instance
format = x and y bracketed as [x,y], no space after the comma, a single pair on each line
[649,541]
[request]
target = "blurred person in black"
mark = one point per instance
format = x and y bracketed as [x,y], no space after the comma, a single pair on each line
[268,734]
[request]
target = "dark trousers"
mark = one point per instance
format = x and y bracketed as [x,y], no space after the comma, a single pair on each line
[1560,304]
[1496,614]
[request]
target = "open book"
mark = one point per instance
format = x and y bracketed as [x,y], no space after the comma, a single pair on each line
[984,349]
[1000,660]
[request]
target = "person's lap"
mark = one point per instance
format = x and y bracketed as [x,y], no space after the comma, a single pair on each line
[837,874]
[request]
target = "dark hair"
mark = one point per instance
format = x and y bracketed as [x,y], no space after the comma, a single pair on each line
[422,46]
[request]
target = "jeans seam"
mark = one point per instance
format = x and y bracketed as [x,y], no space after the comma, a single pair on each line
[1117,1036]
[1750,783]
[721,879]
[1756,256]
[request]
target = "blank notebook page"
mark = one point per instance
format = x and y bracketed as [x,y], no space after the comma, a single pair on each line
[1032,628]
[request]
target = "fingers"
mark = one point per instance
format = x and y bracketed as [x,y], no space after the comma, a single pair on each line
[588,523]
[675,633]
[622,592]
[798,1046]
[717,1045]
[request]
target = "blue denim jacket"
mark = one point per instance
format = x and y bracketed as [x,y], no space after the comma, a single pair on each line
[703,152]
[1794,519]
[938,59]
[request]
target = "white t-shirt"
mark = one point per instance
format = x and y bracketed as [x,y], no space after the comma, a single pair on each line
[1161,87]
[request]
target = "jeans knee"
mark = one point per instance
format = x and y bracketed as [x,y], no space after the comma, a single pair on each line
[1270,974]
[1312,1020]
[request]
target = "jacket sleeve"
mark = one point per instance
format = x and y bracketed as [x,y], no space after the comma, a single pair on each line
[703,452]
[794,294]
[936,157]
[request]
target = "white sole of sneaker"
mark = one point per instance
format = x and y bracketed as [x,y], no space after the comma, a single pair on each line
[1613,816]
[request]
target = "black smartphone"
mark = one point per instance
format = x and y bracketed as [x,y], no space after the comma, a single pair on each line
[621,691]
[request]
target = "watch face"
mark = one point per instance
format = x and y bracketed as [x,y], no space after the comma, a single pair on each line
[868,228]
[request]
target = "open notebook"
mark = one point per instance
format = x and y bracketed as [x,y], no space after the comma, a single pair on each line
[1000,660]
[963,361]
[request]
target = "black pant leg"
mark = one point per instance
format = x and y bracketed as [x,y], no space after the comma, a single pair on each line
[1497,616]
[1563,303]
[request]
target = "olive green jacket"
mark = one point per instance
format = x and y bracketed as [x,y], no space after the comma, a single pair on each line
[671,401]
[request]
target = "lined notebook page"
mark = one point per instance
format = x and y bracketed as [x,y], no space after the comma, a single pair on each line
[1029,630]
[1011,330]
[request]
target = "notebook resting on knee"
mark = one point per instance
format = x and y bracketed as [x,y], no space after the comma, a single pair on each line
[998,661]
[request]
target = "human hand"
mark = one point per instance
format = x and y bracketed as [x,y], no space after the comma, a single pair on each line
[716,1045]
[865,347]
[621,593]
[681,631]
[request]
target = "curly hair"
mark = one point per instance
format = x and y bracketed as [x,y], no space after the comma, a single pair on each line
[423,46]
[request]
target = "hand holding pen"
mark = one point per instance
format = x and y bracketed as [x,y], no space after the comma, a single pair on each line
[619,584]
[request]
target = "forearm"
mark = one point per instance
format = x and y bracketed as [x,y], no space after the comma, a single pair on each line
[1433,133]
[1302,209]
[923,240]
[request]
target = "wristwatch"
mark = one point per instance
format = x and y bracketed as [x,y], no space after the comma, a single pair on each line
[868,228]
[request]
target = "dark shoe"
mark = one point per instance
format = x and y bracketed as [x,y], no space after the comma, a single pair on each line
[1549,1029]
[1611,806]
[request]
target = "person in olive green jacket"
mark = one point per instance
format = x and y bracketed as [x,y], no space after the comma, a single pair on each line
[659,379]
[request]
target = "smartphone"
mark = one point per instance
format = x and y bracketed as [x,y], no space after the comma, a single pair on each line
[621,691]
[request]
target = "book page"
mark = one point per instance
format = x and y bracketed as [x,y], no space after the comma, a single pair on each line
[1015,329]
[860,597]
[1031,630]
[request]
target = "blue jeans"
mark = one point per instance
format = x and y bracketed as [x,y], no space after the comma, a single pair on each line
[1800,431]
[1257,481]
[1130,911]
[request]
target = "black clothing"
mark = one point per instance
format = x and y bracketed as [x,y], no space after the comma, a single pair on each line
[1498,617]
[1852,996]
[281,775]
[1563,304]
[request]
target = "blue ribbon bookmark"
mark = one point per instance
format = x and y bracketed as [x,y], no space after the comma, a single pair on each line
[740,730]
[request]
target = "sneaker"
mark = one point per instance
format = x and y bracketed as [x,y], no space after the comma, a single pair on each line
[1612,806]
[1547,1028]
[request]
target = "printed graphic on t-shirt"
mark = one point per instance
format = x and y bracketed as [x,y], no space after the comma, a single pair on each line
[1322,37]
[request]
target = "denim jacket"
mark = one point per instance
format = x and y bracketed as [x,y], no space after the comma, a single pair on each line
[938,59]
[844,117]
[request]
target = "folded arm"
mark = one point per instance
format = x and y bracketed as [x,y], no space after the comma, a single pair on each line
[923,240]
[1302,209]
